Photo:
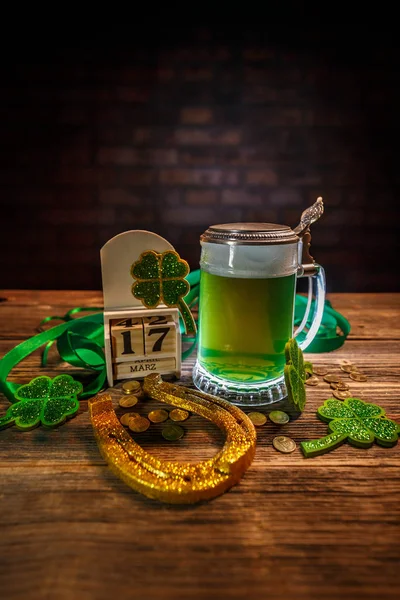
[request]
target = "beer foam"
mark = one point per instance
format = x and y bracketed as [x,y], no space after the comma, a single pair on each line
[250,261]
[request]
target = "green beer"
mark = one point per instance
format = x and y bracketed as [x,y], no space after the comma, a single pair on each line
[244,326]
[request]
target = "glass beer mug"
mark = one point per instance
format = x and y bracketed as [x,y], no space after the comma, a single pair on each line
[247,296]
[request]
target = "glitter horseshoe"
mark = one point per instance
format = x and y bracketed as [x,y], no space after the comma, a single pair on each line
[176,482]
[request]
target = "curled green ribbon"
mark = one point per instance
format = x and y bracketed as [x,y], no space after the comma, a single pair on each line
[79,342]
[328,337]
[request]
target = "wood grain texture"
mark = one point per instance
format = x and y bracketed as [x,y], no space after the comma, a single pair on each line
[322,528]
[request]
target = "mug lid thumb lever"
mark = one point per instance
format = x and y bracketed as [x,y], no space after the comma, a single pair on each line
[309,216]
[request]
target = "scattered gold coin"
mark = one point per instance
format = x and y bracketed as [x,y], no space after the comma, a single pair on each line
[330,378]
[340,385]
[131,387]
[125,418]
[158,416]
[345,361]
[279,417]
[258,419]
[347,368]
[284,444]
[313,380]
[356,376]
[178,414]
[341,394]
[128,401]
[138,424]
[320,371]
[172,432]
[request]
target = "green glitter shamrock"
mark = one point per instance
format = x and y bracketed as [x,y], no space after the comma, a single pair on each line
[308,368]
[43,400]
[359,422]
[295,374]
[160,278]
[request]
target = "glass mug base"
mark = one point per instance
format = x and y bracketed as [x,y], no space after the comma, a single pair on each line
[241,394]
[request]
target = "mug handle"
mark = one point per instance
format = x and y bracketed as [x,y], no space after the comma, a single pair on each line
[317,281]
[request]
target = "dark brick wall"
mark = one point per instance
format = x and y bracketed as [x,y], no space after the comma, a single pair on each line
[174,133]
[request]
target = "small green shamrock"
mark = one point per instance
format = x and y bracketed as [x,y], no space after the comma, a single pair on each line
[295,374]
[43,400]
[359,422]
[308,368]
[160,278]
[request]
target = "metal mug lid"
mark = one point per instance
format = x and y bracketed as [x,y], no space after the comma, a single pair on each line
[249,233]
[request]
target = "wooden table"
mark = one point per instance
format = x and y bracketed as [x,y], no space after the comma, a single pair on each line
[320,528]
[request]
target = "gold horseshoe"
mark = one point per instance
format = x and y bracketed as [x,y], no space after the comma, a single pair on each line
[175,482]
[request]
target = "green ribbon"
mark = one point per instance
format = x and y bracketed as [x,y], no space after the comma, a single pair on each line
[328,338]
[80,342]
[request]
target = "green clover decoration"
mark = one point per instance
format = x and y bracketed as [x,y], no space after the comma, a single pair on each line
[43,400]
[295,374]
[308,366]
[360,423]
[160,278]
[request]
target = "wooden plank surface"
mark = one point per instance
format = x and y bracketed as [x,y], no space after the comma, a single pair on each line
[321,528]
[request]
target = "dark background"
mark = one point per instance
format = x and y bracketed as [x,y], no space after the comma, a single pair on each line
[175,130]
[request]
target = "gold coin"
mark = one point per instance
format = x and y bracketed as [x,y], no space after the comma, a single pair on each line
[131,387]
[158,416]
[178,414]
[313,380]
[356,376]
[330,378]
[257,418]
[354,369]
[340,385]
[172,432]
[284,444]
[320,371]
[128,401]
[347,368]
[341,394]
[138,424]
[125,418]
[279,417]
[344,361]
